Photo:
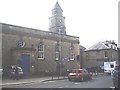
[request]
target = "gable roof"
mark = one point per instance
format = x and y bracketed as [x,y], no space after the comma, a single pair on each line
[103,45]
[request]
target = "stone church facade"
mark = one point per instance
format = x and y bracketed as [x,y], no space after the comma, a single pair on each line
[40,51]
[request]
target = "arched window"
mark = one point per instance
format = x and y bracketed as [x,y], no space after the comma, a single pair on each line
[40,51]
[57,52]
[72,55]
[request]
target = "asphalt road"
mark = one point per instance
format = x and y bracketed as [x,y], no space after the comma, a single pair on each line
[96,82]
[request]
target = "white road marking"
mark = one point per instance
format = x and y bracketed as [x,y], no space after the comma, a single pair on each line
[60,87]
[111,87]
[49,81]
[77,83]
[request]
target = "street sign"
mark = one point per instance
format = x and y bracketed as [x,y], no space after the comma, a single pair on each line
[66,58]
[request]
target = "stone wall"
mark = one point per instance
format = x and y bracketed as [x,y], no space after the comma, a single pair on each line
[96,58]
[11,36]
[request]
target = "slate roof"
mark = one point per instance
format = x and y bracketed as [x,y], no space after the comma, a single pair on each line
[103,45]
[57,6]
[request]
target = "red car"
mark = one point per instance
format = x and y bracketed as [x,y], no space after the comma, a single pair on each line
[79,75]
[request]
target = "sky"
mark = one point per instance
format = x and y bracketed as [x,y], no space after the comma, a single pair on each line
[90,20]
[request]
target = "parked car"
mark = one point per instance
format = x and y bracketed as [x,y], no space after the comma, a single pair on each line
[9,71]
[79,75]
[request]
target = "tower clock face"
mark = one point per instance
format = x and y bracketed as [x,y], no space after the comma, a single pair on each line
[60,20]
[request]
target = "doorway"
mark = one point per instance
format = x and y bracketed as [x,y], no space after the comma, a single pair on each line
[26,63]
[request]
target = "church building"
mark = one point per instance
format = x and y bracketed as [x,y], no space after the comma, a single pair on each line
[38,51]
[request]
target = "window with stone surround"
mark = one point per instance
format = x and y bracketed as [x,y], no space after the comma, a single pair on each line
[106,54]
[57,52]
[40,51]
[72,54]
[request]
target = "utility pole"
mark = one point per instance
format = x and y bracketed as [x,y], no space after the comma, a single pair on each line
[60,49]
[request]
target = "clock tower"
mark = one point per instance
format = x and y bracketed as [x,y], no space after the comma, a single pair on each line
[57,20]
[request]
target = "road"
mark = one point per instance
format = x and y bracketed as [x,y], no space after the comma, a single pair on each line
[96,82]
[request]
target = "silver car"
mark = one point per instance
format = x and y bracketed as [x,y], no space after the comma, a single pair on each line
[20,71]
[9,71]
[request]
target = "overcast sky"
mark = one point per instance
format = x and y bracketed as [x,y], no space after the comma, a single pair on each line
[90,20]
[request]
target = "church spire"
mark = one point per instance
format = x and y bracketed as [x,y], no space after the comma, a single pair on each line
[57,10]
[57,6]
[57,20]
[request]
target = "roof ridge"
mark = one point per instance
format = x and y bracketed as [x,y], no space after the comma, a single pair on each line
[100,45]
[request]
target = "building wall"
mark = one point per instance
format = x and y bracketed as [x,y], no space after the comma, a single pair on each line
[95,58]
[11,36]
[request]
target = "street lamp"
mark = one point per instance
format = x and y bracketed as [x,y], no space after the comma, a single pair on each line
[60,49]
[58,52]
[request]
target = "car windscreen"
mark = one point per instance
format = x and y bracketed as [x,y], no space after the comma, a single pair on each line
[75,71]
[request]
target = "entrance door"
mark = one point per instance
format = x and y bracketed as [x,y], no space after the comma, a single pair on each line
[26,63]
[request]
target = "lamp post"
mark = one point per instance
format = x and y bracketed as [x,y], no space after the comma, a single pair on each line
[59,41]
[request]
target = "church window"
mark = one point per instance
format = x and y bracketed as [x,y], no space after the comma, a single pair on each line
[72,55]
[21,43]
[57,52]
[40,51]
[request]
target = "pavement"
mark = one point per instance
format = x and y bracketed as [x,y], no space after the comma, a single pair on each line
[25,80]
[31,79]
